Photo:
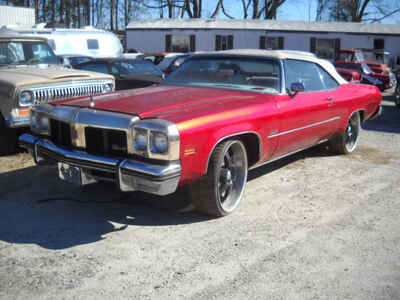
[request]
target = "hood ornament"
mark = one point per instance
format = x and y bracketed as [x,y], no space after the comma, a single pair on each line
[91,101]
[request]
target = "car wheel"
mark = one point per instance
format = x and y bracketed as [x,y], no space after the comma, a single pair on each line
[8,138]
[346,142]
[219,192]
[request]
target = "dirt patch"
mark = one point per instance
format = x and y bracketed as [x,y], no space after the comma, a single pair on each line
[14,162]
[373,155]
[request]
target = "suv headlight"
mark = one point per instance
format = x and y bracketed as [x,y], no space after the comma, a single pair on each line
[108,87]
[40,123]
[25,98]
[158,139]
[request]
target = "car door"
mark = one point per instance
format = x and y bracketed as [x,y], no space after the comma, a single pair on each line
[310,116]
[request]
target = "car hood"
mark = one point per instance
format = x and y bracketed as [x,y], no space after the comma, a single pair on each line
[38,74]
[169,102]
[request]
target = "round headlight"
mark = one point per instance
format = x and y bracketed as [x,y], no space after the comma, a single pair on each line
[107,88]
[159,142]
[26,98]
[140,140]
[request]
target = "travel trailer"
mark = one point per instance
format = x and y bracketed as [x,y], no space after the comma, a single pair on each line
[87,41]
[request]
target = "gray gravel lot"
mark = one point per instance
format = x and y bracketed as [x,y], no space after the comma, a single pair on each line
[312,226]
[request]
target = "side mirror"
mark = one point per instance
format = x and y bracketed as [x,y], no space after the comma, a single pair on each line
[295,88]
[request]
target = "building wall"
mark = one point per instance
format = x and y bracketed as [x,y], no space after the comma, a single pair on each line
[16,16]
[154,40]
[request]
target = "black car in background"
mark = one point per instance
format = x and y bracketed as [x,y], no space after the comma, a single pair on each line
[70,61]
[128,73]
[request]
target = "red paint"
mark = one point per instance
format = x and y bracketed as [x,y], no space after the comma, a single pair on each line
[204,116]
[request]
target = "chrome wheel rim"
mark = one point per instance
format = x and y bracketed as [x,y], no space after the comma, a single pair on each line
[351,133]
[232,176]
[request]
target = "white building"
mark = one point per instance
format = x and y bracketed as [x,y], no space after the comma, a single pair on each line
[322,38]
[22,16]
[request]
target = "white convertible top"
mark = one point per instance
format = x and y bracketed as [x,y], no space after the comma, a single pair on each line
[283,54]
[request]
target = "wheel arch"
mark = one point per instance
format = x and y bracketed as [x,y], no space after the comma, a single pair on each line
[251,141]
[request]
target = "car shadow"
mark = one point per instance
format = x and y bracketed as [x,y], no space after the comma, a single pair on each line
[38,208]
[321,150]
[388,121]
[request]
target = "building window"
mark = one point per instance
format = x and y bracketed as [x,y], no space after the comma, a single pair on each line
[92,44]
[223,42]
[180,43]
[272,43]
[379,44]
[325,48]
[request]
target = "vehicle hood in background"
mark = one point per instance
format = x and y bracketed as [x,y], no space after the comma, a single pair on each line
[38,74]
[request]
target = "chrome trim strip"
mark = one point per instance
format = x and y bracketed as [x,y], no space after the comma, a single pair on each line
[285,155]
[304,127]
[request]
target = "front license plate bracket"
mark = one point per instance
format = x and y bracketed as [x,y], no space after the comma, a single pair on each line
[74,175]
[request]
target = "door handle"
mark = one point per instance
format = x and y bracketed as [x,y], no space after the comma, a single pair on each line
[330,98]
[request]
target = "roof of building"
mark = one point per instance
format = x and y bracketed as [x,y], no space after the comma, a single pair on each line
[272,25]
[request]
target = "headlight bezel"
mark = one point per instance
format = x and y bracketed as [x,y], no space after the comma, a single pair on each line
[161,128]
[24,103]
[107,88]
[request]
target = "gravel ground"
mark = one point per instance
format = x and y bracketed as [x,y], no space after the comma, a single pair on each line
[312,226]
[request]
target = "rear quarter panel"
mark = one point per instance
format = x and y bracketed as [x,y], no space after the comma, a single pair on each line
[357,97]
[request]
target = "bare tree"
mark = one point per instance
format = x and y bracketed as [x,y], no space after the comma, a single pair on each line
[357,10]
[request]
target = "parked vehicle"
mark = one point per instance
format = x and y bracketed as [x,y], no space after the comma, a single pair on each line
[171,63]
[397,92]
[70,61]
[355,57]
[30,74]
[157,57]
[128,73]
[87,41]
[365,75]
[214,118]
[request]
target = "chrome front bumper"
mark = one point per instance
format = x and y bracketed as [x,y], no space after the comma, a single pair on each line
[128,174]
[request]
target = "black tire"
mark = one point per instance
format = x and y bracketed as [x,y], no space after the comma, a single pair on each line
[219,192]
[346,142]
[8,138]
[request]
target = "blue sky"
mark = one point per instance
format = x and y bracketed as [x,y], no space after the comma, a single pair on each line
[300,10]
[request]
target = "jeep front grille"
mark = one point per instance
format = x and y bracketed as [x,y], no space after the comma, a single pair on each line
[45,95]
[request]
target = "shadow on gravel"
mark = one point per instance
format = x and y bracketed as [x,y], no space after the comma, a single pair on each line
[38,208]
[388,121]
[316,151]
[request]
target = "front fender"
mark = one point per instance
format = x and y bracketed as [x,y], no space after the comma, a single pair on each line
[197,146]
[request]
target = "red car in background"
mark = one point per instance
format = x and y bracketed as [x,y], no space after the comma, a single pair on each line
[352,58]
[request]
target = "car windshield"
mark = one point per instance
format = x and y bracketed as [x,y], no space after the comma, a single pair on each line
[166,62]
[366,69]
[26,53]
[239,73]
[127,68]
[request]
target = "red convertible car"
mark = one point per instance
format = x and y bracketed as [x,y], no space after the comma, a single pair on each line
[217,116]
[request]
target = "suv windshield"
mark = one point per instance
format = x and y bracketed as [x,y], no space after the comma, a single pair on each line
[241,73]
[26,53]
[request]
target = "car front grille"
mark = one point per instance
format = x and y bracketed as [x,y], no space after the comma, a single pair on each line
[44,95]
[60,133]
[106,141]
